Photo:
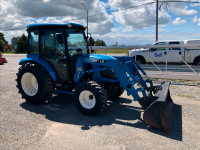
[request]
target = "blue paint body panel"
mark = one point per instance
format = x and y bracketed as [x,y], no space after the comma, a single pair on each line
[125,69]
[104,57]
[123,58]
[106,70]
[79,70]
[36,58]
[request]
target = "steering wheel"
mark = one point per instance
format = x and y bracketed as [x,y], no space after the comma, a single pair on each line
[77,51]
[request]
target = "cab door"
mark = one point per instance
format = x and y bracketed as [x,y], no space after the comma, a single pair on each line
[174,53]
[52,49]
[158,54]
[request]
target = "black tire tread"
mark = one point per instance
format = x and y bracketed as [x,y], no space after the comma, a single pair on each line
[100,95]
[113,94]
[48,85]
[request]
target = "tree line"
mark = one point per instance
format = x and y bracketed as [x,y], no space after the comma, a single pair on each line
[20,44]
[97,42]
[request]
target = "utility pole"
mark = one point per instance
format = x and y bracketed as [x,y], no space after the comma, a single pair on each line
[87,16]
[156,20]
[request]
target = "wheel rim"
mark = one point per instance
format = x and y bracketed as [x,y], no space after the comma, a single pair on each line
[29,84]
[87,99]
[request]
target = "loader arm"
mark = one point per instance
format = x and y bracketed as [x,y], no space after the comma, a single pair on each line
[155,100]
[126,72]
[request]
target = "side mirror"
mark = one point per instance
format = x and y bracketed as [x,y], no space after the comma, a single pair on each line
[59,38]
[90,41]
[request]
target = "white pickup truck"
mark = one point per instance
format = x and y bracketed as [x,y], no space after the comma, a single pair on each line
[191,55]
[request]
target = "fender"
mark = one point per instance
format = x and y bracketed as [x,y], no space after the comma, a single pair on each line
[37,59]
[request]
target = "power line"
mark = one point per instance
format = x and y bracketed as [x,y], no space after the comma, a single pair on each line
[181,1]
[166,2]
[113,11]
[122,4]
[8,29]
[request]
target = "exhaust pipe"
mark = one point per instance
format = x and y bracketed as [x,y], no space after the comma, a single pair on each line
[158,109]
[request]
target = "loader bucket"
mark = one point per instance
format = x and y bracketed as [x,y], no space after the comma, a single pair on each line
[158,113]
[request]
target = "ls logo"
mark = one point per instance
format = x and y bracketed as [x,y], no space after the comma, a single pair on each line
[158,55]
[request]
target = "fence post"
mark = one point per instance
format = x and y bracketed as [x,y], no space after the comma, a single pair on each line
[166,50]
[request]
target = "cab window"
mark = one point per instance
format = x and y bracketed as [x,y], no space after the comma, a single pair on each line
[160,43]
[76,42]
[52,42]
[34,42]
[175,48]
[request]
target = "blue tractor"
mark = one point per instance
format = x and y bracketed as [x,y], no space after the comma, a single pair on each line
[60,60]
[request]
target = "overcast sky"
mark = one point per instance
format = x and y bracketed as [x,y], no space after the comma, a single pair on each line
[128,22]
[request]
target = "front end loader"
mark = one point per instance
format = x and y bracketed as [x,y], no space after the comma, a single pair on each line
[155,100]
[59,60]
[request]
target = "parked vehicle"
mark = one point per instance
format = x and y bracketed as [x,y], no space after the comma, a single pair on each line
[189,54]
[59,60]
[2,59]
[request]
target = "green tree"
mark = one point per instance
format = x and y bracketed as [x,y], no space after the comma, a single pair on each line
[99,42]
[7,48]
[22,44]
[3,42]
[14,40]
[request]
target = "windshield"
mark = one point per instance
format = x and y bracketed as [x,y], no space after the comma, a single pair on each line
[76,42]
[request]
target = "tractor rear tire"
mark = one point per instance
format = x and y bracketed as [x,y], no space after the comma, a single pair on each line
[34,83]
[114,92]
[90,98]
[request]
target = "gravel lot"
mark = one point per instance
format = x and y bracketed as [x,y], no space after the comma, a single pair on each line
[59,125]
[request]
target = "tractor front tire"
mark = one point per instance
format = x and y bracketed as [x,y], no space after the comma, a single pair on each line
[34,83]
[114,92]
[90,98]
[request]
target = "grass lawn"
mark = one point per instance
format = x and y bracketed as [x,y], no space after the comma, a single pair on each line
[112,51]
[8,53]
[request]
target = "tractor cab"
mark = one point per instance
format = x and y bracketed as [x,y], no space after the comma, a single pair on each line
[59,45]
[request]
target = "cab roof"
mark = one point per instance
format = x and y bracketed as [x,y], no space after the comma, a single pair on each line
[55,26]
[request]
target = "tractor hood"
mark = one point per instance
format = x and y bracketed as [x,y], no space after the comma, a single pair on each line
[101,57]
[93,58]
